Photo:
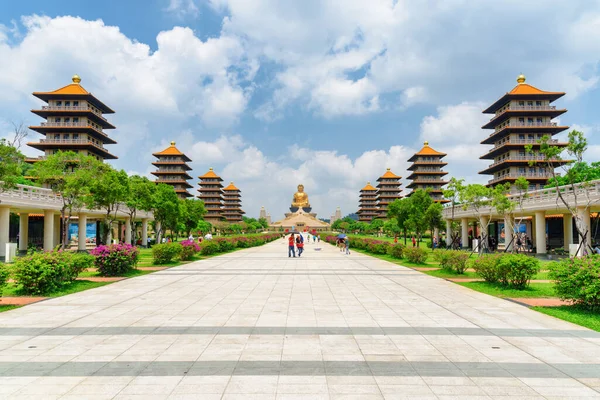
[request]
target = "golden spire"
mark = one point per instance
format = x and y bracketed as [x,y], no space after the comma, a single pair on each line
[231,182]
[173,143]
[521,79]
[426,143]
[76,79]
[388,169]
[210,169]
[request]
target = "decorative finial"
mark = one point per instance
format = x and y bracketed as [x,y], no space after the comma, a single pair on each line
[388,169]
[76,79]
[521,79]
[173,143]
[231,182]
[426,143]
[368,183]
[210,169]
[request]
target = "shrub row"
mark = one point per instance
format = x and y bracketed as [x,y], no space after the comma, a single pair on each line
[41,273]
[452,260]
[514,270]
[578,280]
[414,255]
[166,252]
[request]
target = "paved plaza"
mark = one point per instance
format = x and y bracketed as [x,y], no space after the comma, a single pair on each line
[257,324]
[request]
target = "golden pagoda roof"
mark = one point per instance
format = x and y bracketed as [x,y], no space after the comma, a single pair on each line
[171,151]
[231,186]
[426,151]
[74,90]
[389,175]
[210,174]
[523,89]
[368,187]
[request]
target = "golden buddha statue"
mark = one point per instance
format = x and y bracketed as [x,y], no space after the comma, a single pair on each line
[300,198]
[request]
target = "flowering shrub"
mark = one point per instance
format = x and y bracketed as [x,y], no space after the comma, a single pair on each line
[377,246]
[415,255]
[165,252]
[226,244]
[452,260]
[41,273]
[578,280]
[396,250]
[115,259]
[188,249]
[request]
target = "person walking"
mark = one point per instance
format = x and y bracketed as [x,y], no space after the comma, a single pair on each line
[300,244]
[414,242]
[291,249]
[347,244]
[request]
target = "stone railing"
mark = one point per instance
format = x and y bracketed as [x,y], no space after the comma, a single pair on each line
[525,125]
[73,108]
[72,125]
[524,108]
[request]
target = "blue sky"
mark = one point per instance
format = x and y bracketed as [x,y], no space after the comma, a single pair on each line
[272,93]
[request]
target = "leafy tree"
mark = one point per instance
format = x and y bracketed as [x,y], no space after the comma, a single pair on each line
[390,227]
[452,193]
[581,172]
[479,198]
[344,226]
[139,198]
[433,217]
[204,226]
[166,209]
[11,161]
[572,176]
[399,210]
[419,202]
[192,211]
[69,174]
[264,223]
[376,225]
[110,189]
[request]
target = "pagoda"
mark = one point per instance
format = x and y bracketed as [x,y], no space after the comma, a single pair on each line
[388,191]
[427,174]
[74,122]
[232,204]
[521,117]
[211,192]
[367,206]
[172,170]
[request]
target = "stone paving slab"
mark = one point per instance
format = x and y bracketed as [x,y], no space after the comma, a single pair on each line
[254,324]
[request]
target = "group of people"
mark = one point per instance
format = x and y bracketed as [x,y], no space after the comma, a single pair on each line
[343,243]
[296,243]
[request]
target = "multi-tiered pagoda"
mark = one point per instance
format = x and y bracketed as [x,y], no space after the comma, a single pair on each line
[521,117]
[211,193]
[74,122]
[172,170]
[388,191]
[232,204]
[427,174]
[367,204]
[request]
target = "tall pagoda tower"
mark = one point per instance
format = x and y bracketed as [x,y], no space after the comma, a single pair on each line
[367,206]
[232,204]
[521,117]
[211,192]
[426,172]
[172,170]
[388,191]
[74,122]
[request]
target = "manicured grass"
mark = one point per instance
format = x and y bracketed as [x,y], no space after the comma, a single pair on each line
[129,274]
[77,286]
[494,289]
[7,307]
[440,273]
[574,314]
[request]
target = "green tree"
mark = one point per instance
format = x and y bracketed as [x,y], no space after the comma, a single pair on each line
[420,201]
[452,193]
[433,217]
[166,209]
[204,226]
[479,198]
[69,174]
[399,210]
[391,228]
[11,161]
[192,211]
[110,189]
[376,225]
[139,198]
[264,223]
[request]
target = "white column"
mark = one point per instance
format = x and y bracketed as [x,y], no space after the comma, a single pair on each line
[48,230]
[508,234]
[145,232]
[23,231]
[82,232]
[464,237]
[485,222]
[567,230]
[57,231]
[448,232]
[540,232]
[4,229]
[583,214]
[128,230]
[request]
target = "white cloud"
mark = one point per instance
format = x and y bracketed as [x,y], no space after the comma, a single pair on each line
[460,123]
[183,8]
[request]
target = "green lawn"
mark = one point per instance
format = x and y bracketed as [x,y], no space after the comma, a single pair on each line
[77,286]
[7,307]
[574,314]
[495,289]
[129,274]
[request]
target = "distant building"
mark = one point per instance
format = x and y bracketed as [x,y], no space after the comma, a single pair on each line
[388,190]
[521,117]
[172,170]
[427,174]
[232,204]
[211,192]
[335,217]
[74,122]
[367,207]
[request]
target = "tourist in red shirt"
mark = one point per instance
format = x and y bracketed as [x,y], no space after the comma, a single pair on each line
[291,250]
[300,244]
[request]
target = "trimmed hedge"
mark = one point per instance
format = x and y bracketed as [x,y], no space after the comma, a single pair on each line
[396,250]
[415,255]
[164,253]
[515,270]
[486,267]
[42,273]
[578,280]
[452,260]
